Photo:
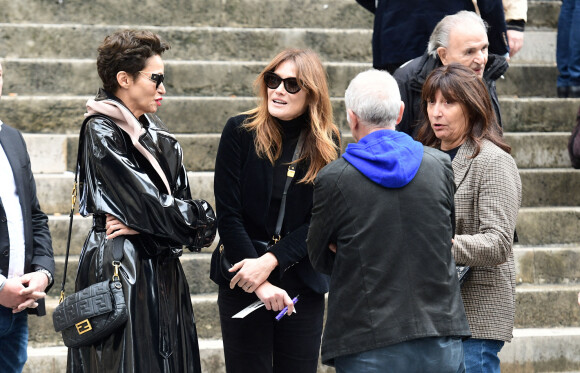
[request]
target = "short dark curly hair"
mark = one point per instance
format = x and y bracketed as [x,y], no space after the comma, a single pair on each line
[126,50]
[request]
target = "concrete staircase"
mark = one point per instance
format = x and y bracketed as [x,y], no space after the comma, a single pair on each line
[218,47]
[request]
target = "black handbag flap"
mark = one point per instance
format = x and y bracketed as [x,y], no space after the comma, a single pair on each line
[90,302]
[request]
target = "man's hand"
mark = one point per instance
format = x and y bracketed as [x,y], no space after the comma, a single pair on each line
[274,298]
[253,272]
[20,293]
[116,228]
[515,41]
[35,283]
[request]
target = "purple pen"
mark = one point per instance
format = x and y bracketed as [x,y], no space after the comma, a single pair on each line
[283,312]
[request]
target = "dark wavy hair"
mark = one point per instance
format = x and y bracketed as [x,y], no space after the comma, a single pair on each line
[458,83]
[126,50]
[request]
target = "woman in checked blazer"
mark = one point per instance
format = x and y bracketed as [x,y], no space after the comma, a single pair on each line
[462,123]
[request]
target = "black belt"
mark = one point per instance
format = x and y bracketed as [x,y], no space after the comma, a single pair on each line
[99,222]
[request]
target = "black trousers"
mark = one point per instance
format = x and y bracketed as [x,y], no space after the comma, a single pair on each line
[260,344]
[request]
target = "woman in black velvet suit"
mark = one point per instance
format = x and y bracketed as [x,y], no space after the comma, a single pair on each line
[255,151]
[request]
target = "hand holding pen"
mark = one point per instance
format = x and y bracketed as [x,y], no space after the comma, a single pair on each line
[285,309]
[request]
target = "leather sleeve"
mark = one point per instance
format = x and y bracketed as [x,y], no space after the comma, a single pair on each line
[117,185]
[322,224]
[227,188]
[492,12]
[42,253]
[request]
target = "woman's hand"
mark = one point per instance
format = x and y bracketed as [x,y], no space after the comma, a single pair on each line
[253,272]
[115,228]
[274,298]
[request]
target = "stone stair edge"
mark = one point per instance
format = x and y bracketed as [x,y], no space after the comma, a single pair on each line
[228,62]
[215,43]
[205,78]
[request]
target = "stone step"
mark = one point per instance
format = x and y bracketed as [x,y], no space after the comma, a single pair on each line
[182,114]
[531,350]
[535,265]
[539,47]
[54,190]
[225,78]
[548,225]
[195,266]
[237,13]
[543,14]
[225,43]
[541,187]
[550,187]
[52,359]
[535,226]
[550,264]
[190,43]
[542,350]
[54,153]
[536,306]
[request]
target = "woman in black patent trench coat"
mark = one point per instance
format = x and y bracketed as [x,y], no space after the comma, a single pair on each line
[133,181]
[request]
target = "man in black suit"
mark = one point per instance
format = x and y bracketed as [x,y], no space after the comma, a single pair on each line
[26,258]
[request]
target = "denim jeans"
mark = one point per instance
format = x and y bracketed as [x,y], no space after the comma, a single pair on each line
[481,355]
[433,355]
[568,44]
[13,340]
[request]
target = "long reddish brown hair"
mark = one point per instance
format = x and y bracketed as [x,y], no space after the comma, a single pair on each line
[322,143]
[458,83]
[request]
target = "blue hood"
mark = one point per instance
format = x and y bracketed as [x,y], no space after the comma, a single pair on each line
[387,157]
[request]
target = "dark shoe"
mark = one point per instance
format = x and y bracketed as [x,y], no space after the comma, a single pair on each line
[574,91]
[563,92]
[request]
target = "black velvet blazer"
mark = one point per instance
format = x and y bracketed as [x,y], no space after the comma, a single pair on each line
[243,187]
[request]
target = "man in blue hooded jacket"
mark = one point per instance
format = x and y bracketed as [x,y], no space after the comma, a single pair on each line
[381,227]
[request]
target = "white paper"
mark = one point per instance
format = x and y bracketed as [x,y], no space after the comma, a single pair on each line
[248,310]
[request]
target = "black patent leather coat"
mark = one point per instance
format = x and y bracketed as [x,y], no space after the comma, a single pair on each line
[160,335]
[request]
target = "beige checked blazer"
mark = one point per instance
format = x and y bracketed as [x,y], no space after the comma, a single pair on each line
[487,200]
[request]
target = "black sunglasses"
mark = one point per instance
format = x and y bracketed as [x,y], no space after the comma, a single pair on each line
[157,78]
[273,81]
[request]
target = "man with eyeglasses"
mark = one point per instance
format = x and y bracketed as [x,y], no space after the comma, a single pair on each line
[26,257]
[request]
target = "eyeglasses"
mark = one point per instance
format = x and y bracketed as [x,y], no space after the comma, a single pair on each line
[157,78]
[273,81]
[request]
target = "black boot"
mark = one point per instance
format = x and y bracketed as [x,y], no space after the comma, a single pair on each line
[574,91]
[563,92]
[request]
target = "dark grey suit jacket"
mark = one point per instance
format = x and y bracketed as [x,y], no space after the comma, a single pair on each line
[38,243]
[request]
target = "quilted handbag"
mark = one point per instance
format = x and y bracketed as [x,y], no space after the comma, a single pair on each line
[92,314]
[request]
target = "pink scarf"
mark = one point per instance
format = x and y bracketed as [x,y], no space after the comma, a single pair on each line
[126,121]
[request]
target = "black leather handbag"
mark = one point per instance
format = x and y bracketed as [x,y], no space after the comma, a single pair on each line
[88,316]
[92,314]
[263,246]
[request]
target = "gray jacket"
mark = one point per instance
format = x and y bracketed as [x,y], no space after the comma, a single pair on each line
[393,277]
